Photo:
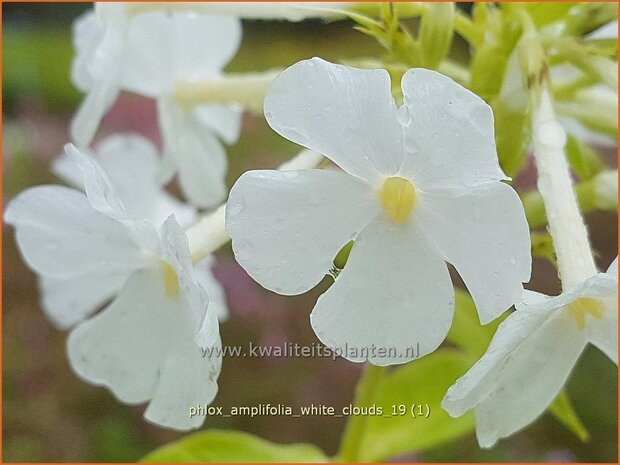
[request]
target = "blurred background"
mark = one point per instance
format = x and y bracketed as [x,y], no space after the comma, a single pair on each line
[50,415]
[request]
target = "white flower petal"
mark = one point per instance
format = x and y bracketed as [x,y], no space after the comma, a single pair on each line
[99,43]
[86,34]
[485,235]
[124,346]
[607,31]
[217,296]
[346,114]
[599,286]
[103,197]
[67,168]
[290,11]
[613,268]
[66,302]
[60,235]
[603,333]
[448,133]
[98,101]
[147,343]
[394,292]
[131,162]
[164,48]
[225,120]
[175,248]
[192,149]
[530,379]
[472,388]
[287,227]
[187,379]
[99,190]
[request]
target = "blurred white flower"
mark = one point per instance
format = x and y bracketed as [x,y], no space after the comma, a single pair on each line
[152,335]
[290,11]
[148,344]
[421,184]
[130,162]
[532,354]
[151,54]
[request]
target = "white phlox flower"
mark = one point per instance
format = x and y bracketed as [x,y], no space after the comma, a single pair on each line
[148,344]
[131,162]
[421,185]
[533,353]
[290,11]
[152,54]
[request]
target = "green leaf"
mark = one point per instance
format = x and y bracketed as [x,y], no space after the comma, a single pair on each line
[543,13]
[588,16]
[488,64]
[534,209]
[487,70]
[36,62]
[343,255]
[466,331]
[421,382]
[436,32]
[584,160]
[563,411]
[542,246]
[512,136]
[233,446]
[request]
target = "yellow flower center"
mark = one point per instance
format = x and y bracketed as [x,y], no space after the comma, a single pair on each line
[397,196]
[585,306]
[171,280]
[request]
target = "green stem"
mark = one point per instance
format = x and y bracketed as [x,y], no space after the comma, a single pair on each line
[465,27]
[353,436]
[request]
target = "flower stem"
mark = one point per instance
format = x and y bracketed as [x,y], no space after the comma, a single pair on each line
[570,236]
[353,436]
[209,233]
[247,89]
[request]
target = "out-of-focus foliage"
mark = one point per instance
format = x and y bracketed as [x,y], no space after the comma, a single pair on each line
[423,383]
[562,409]
[233,447]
